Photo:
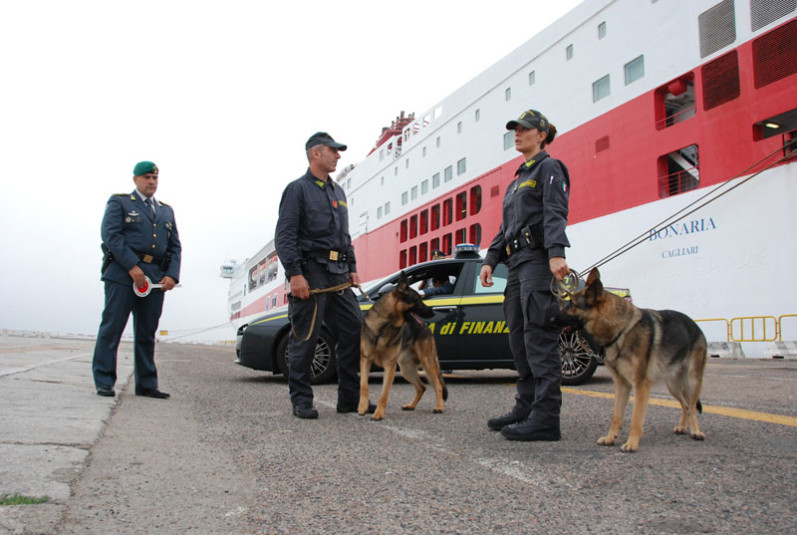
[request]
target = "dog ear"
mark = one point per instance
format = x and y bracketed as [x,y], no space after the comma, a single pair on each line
[402,282]
[594,287]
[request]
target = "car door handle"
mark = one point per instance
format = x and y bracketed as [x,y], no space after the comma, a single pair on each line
[444,309]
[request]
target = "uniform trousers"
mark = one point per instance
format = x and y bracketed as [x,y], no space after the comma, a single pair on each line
[529,306]
[120,301]
[341,314]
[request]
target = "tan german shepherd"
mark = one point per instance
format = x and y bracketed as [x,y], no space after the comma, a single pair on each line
[392,334]
[641,347]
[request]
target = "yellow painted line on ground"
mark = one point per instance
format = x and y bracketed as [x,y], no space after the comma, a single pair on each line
[744,414]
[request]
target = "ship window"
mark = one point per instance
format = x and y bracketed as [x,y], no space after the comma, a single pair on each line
[404,198]
[407,163]
[634,70]
[675,101]
[495,191]
[413,226]
[448,211]
[387,208]
[459,127]
[382,181]
[509,140]
[424,228]
[717,27]
[379,212]
[781,124]
[395,171]
[425,187]
[424,152]
[381,154]
[720,80]
[532,77]
[435,180]
[602,30]
[448,173]
[414,192]
[462,166]
[775,55]
[763,12]
[569,52]
[679,171]
[508,94]
[462,235]
[602,144]
[434,224]
[475,199]
[446,244]
[438,142]
[403,259]
[477,115]
[475,234]
[413,259]
[434,244]
[462,205]
[403,231]
[601,88]
[423,252]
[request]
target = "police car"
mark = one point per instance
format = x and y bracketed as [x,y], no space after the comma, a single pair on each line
[468,324]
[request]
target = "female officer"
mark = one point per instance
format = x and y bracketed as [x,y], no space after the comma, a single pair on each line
[531,241]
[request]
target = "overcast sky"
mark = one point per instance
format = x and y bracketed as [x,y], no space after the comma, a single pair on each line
[222,96]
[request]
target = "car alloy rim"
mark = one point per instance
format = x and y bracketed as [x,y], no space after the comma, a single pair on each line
[574,358]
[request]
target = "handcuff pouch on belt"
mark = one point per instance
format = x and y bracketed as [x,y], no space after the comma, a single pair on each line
[529,237]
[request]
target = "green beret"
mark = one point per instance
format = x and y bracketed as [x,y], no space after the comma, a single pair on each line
[142,168]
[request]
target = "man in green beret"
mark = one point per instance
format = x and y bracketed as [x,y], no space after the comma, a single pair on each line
[141,246]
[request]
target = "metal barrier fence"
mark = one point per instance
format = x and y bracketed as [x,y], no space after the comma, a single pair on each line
[753,328]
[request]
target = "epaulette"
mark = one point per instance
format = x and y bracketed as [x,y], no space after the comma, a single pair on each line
[120,194]
[164,204]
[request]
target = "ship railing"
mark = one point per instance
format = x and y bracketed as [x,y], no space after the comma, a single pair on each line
[675,118]
[753,328]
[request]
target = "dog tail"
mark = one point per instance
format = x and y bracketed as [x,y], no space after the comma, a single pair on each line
[699,407]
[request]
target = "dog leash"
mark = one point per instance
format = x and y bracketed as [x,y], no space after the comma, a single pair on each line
[314,292]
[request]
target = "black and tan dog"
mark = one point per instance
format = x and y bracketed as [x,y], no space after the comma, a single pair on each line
[392,334]
[641,347]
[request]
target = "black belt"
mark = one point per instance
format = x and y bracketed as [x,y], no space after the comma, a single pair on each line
[525,239]
[148,258]
[330,255]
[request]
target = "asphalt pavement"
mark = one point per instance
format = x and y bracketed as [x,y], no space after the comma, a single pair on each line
[225,456]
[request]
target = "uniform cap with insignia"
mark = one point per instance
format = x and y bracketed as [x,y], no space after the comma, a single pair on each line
[530,119]
[142,168]
[322,138]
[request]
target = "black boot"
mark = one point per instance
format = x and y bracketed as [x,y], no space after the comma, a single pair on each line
[528,430]
[512,417]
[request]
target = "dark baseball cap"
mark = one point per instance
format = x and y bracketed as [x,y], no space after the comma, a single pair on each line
[322,138]
[530,119]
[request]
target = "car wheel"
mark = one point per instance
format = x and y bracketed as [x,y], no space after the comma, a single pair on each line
[323,368]
[579,360]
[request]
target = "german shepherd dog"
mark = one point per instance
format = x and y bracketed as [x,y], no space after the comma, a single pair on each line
[641,347]
[392,334]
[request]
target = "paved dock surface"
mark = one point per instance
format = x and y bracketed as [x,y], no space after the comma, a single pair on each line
[225,456]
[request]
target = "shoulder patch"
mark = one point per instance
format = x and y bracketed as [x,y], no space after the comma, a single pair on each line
[120,194]
[164,204]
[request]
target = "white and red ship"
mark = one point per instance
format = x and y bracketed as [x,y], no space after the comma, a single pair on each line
[662,108]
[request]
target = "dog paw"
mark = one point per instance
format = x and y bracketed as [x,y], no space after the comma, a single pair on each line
[629,447]
[608,440]
[680,430]
[407,408]
[438,411]
[699,436]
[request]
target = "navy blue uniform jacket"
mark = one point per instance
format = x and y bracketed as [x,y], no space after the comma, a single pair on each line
[539,195]
[129,230]
[313,220]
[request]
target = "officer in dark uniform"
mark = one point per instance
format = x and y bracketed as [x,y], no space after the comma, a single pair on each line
[314,245]
[531,241]
[139,238]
